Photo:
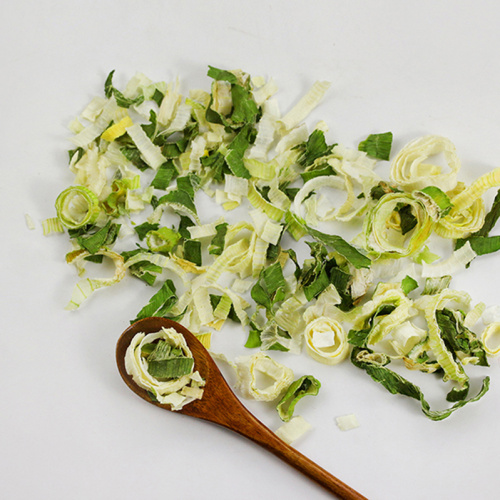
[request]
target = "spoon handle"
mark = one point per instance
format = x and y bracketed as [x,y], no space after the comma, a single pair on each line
[253,429]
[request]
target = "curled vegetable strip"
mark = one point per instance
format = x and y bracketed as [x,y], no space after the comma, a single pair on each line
[176,392]
[461,224]
[405,336]
[475,190]
[383,226]
[85,287]
[77,206]
[326,341]
[409,171]
[313,185]
[385,295]
[492,330]
[249,369]
[452,370]
[456,261]
[305,105]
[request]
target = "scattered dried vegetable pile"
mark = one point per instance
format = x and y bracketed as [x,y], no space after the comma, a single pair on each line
[147,152]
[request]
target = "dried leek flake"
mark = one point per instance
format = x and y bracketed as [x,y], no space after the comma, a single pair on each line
[304,386]
[162,363]
[397,226]
[77,206]
[262,378]
[292,430]
[347,422]
[491,332]
[326,340]
[410,169]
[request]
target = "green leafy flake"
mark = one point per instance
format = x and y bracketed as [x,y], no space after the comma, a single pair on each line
[483,245]
[377,145]
[179,197]
[108,85]
[96,259]
[304,386]
[121,100]
[358,338]
[407,220]
[102,237]
[236,151]
[131,253]
[253,339]
[143,229]
[321,282]
[408,284]
[341,280]
[216,162]
[160,303]
[147,349]
[192,251]
[184,223]
[354,256]
[151,128]
[480,241]
[158,97]
[458,338]
[161,351]
[291,192]
[217,244]
[318,172]
[166,362]
[174,148]
[164,175]
[162,240]
[133,155]
[79,152]
[382,188]
[270,288]
[220,74]
[189,183]
[277,347]
[145,271]
[245,110]
[171,368]
[273,278]
[436,285]
[315,147]
[440,198]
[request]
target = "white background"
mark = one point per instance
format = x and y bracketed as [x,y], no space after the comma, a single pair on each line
[69,427]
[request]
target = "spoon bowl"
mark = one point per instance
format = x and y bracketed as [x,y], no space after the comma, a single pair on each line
[220,406]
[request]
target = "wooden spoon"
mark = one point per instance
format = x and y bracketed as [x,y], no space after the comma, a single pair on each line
[221,406]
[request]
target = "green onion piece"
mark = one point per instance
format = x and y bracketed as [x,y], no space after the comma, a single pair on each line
[167,363]
[77,206]
[354,256]
[171,368]
[105,236]
[192,251]
[304,386]
[408,284]
[217,244]
[162,240]
[160,303]
[377,145]
[143,229]
[436,285]
[396,384]
[164,175]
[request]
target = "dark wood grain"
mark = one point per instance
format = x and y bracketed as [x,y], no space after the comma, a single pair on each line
[220,406]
